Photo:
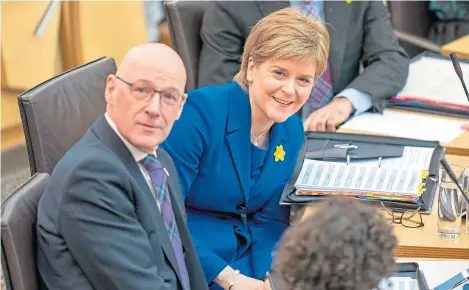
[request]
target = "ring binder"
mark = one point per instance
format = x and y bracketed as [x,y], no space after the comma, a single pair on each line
[415,155]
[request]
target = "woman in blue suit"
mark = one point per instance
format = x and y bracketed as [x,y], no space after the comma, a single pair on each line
[236,145]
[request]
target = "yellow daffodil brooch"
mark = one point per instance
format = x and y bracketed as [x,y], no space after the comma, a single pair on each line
[279,153]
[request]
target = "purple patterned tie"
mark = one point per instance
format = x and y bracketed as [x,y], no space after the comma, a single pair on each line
[322,92]
[158,180]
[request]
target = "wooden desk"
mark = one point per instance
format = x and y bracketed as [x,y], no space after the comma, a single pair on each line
[460,46]
[459,146]
[424,242]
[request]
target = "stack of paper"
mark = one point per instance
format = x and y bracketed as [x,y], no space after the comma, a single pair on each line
[401,178]
[435,80]
[407,125]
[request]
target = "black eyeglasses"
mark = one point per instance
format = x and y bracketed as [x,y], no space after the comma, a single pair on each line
[408,218]
[144,92]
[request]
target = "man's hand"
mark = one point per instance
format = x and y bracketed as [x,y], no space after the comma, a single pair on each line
[329,116]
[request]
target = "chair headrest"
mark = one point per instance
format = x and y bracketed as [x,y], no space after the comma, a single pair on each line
[18,230]
[185,20]
[56,113]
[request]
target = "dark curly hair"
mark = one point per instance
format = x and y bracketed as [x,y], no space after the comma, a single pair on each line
[345,245]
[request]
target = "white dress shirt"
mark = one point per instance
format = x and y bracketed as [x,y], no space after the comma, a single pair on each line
[138,155]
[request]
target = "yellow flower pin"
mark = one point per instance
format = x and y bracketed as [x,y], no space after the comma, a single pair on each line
[348,1]
[279,153]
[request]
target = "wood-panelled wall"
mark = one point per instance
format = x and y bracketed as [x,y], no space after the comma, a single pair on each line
[77,32]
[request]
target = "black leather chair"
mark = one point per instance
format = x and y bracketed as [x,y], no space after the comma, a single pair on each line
[185,20]
[411,21]
[56,113]
[18,229]
[419,29]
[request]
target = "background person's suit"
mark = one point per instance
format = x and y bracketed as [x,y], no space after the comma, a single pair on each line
[359,31]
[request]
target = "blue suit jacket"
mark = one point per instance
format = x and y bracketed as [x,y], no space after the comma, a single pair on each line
[230,222]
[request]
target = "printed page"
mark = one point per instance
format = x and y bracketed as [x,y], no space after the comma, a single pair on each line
[412,157]
[340,177]
[398,283]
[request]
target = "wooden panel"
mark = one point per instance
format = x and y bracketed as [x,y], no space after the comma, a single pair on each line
[460,46]
[109,28]
[12,137]
[164,34]
[4,75]
[27,59]
[425,241]
[69,35]
[10,111]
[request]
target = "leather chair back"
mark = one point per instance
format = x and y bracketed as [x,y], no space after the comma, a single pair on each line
[18,230]
[56,113]
[185,20]
[412,17]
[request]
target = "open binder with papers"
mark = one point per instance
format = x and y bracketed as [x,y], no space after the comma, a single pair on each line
[400,172]
[433,87]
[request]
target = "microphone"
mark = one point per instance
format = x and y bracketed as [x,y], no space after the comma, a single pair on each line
[458,70]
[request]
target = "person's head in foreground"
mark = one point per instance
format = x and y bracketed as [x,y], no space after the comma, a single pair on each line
[146,95]
[345,245]
[284,54]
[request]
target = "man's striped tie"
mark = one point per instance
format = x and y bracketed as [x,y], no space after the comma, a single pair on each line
[159,182]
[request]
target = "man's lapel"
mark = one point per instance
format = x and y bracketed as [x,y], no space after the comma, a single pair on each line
[337,15]
[109,138]
[238,135]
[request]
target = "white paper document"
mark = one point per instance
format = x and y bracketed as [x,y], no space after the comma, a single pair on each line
[412,157]
[398,283]
[339,177]
[436,79]
[407,125]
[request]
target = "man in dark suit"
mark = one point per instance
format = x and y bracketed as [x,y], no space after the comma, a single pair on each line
[113,216]
[360,33]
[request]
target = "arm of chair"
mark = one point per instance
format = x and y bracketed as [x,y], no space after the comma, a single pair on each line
[418,41]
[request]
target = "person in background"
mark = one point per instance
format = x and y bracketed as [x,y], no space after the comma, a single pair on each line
[236,146]
[361,34]
[344,245]
[452,20]
[113,216]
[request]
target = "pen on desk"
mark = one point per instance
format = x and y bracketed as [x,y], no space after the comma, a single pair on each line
[451,174]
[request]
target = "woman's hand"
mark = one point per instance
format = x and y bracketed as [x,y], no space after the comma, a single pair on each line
[241,282]
[246,283]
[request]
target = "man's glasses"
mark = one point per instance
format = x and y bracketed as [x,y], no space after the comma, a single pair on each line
[408,218]
[144,92]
